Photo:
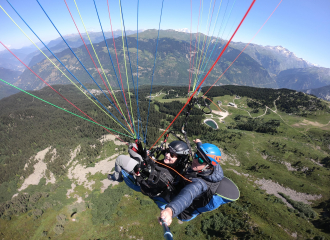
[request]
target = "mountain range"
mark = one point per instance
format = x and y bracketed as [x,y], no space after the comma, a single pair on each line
[30,55]
[11,77]
[172,67]
[257,66]
[322,92]
[274,59]
[304,78]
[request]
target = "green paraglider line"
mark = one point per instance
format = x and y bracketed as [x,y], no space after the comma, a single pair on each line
[106,128]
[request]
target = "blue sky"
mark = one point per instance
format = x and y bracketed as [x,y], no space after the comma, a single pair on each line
[301,26]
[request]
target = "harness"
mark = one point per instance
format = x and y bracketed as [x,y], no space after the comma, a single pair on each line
[155,180]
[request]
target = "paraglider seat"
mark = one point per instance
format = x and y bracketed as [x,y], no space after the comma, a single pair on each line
[228,190]
[130,181]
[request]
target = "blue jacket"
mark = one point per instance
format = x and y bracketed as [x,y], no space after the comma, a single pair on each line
[193,190]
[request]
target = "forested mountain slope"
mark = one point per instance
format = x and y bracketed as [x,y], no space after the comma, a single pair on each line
[172,66]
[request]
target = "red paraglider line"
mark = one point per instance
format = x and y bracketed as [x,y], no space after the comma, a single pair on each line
[220,55]
[243,48]
[58,92]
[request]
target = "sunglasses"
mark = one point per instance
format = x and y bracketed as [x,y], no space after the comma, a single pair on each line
[200,160]
[172,154]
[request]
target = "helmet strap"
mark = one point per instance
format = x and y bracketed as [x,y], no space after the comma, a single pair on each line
[204,167]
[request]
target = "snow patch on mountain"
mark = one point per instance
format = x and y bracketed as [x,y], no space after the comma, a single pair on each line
[185,30]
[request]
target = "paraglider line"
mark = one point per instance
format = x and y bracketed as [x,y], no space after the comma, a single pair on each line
[58,60]
[220,55]
[44,81]
[221,36]
[137,68]
[82,21]
[81,64]
[201,75]
[124,51]
[121,112]
[199,38]
[190,46]
[153,71]
[129,59]
[109,55]
[200,2]
[244,47]
[89,52]
[114,45]
[200,60]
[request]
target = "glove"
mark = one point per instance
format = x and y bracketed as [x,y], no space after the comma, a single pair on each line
[137,169]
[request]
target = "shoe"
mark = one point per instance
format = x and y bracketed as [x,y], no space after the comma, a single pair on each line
[116,176]
[111,177]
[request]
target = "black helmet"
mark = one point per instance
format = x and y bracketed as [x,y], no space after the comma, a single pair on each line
[179,148]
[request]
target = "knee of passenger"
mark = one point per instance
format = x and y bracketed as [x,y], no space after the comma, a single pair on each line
[118,164]
[119,159]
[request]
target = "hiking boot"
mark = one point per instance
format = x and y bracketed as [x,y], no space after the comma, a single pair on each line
[116,176]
